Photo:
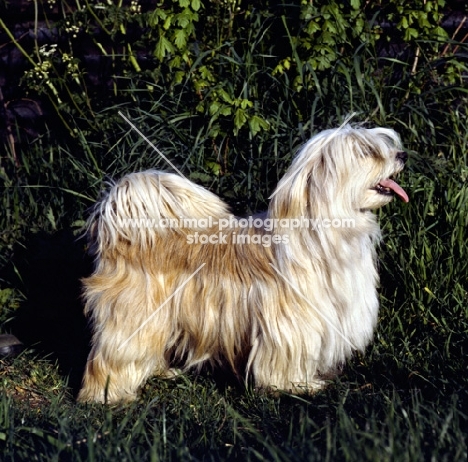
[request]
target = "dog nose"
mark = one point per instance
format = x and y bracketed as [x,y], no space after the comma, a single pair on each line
[403,156]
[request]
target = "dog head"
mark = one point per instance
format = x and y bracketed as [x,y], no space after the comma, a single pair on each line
[342,172]
[381,161]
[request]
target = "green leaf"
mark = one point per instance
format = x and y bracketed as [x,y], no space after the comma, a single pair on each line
[156,16]
[175,61]
[184,19]
[178,77]
[167,23]
[423,21]
[225,110]
[313,27]
[196,5]
[163,47]
[330,27]
[214,107]
[206,73]
[225,96]
[410,33]
[180,38]
[256,124]
[440,33]
[245,103]
[215,167]
[200,84]
[240,118]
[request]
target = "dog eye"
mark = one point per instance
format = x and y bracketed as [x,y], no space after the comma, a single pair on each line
[403,156]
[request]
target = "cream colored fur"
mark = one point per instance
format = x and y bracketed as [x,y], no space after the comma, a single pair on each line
[280,316]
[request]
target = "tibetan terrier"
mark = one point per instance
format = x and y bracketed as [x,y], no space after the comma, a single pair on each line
[282,298]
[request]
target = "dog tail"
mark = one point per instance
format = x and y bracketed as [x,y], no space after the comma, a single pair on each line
[144,206]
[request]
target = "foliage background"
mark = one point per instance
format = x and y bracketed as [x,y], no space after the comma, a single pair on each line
[229,90]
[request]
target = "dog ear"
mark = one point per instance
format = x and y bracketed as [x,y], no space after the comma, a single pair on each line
[314,184]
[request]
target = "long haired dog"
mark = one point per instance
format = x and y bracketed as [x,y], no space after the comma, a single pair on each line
[281,298]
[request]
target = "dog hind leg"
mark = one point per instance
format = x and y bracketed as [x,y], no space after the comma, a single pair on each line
[116,377]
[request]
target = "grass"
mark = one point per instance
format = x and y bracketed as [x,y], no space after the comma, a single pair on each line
[192,419]
[404,400]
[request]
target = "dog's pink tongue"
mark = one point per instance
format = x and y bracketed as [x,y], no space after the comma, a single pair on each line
[396,188]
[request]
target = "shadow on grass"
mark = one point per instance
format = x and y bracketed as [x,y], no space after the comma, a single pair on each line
[51,319]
